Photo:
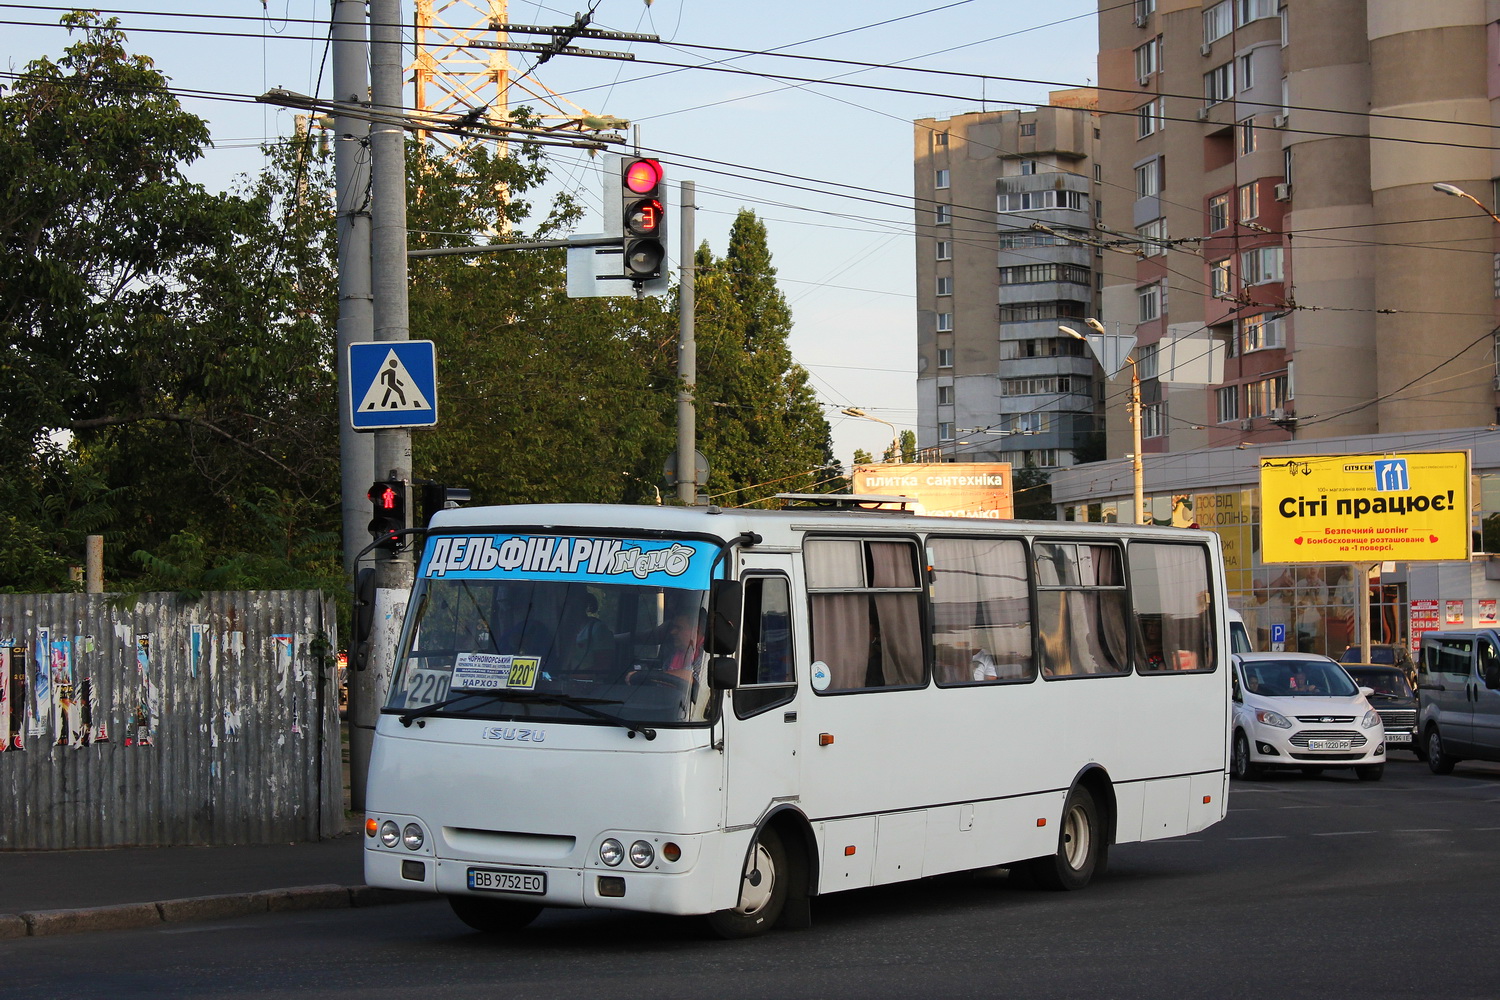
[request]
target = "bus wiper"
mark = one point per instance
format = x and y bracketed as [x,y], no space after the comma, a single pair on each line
[413,714]
[584,706]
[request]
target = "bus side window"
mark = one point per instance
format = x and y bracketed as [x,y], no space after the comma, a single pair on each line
[981,610]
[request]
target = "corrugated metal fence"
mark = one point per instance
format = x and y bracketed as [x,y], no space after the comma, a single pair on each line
[153,720]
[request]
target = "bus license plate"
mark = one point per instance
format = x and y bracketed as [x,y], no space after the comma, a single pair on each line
[503,880]
[1328,745]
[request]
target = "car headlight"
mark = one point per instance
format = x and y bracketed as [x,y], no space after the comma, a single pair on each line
[1269,718]
[1371,719]
[612,852]
[642,854]
[412,837]
[389,834]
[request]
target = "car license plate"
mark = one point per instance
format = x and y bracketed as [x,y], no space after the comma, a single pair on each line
[505,880]
[1329,744]
[1398,737]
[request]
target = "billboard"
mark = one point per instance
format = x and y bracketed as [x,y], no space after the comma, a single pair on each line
[944,489]
[1365,508]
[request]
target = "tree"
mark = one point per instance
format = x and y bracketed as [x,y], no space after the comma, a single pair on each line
[1032,491]
[759,422]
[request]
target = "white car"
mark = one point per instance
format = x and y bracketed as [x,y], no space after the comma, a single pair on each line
[1302,710]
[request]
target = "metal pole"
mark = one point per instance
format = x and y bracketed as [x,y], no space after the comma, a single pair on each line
[393,571]
[93,565]
[356,322]
[1136,468]
[687,352]
[1363,571]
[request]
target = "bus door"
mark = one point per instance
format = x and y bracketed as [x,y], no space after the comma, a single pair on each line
[760,714]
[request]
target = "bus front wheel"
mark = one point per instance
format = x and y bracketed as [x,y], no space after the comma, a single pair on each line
[1081,846]
[763,889]
[493,916]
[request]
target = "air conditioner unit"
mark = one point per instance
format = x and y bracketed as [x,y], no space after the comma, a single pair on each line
[1206,48]
[1283,192]
[1141,18]
[1497,381]
[1203,114]
[1246,424]
[1279,121]
[1276,414]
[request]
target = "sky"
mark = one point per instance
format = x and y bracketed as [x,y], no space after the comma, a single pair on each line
[839,220]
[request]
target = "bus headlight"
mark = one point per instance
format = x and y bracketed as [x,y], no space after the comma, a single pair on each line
[412,837]
[642,854]
[611,852]
[389,835]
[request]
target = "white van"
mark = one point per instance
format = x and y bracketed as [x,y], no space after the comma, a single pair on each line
[1239,636]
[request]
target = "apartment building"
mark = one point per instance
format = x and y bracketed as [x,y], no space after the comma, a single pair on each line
[1005,215]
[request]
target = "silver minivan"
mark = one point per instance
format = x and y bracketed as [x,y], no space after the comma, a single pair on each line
[1458,691]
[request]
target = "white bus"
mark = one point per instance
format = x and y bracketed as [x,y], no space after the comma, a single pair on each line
[883,697]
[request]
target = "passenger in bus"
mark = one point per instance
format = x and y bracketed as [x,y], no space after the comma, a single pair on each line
[985,668]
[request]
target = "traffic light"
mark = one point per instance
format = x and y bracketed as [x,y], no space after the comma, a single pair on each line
[436,497]
[388,503]
[643,219]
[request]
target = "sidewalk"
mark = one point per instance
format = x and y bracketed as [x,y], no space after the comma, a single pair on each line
[56,892]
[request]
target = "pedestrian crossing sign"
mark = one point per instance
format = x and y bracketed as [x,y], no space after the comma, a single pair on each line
[392,383]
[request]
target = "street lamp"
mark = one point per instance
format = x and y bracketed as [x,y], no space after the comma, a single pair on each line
[1137,470]
[1459,192]
[854,411]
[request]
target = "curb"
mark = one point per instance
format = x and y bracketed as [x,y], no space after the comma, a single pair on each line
[133,916]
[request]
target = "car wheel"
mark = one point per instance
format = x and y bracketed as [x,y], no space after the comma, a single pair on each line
[1244,768]
[493,916]
[1438,762]
[763,889]
[1369,772]
[1081,847]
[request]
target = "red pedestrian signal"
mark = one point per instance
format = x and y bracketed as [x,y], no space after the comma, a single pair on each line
[388,506]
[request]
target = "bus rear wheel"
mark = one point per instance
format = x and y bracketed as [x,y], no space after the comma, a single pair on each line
[1081,846]
[493,916]
[763,890]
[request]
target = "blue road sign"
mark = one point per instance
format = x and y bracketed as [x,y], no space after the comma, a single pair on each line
[1278,634]
[392,383]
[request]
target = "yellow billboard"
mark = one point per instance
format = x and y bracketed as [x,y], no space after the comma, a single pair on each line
[1365,508]
[944,489]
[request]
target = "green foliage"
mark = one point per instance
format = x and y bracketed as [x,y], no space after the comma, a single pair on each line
[1032,489]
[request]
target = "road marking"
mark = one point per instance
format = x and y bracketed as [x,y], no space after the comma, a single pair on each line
[1422,831]
[1274,836]
[1346,833]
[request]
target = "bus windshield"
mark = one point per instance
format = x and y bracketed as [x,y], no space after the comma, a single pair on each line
[567,646]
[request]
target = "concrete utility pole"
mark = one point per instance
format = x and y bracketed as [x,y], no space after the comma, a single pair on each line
[393,570]
[687,353]
[356,323]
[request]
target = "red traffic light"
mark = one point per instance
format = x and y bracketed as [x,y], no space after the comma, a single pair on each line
[642,176]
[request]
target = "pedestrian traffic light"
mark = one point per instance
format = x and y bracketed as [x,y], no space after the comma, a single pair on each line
[436,497]
[388,503]
[642,219]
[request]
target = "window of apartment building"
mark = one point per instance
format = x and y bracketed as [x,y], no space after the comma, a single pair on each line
[944,322]
[940,139]
[1154,420]
[1041,386]
[1260,265]
[1285,39]
[1098,172]
[1249,195]
[1218,83]
[1039,312]
[944,249]
[945,286]
[1218,21]
[1228,400]
[1262,331]
[1028,128]
[1026,423]
[1247,137]
[1143,10]
[1254,10]
[945,395]
[1221,279]
[945,357]
[1023,238]
[1149,120]
[1028,168]
[1041,458]
[1034,274]
[941,178]
[945,430]
[1146,60]
[1153,237]
[1148,179]
[1266,395]
[1041,347]
[1034,201]
[1148,302]
[1146,361]
[1246,72]
[1218,213]
[942,215]
[1286,164]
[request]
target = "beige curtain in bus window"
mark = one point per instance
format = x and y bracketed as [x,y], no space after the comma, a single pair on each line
[840,622]
[1110,614]
[1169,585]
[898,615]
[981,609]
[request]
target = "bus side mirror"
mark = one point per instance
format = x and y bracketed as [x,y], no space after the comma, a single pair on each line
[724,600]
[723,673]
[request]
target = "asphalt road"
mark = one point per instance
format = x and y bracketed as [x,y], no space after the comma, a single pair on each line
[1313,887]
